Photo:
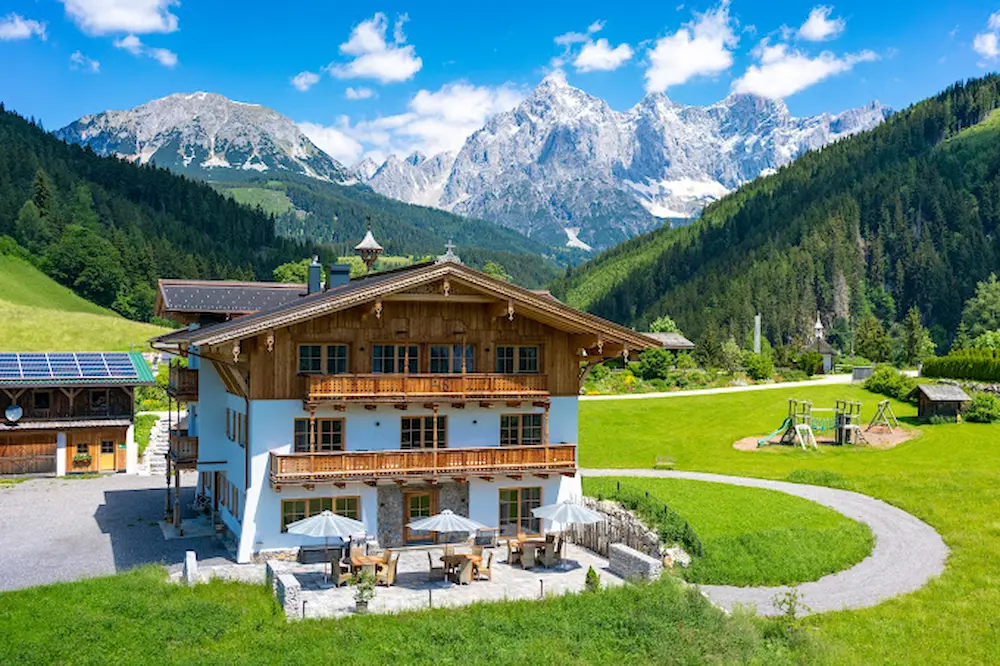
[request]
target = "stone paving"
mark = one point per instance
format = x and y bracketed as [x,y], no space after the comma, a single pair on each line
[413,590]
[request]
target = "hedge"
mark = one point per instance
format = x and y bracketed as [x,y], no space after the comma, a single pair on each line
[977,364]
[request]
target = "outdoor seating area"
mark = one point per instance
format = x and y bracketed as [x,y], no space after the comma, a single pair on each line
[444,576]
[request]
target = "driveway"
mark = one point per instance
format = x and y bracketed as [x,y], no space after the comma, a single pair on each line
[64,529]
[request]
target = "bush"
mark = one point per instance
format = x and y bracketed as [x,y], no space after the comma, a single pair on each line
[977,364]
[685,361]
[668,524]
[592,582]
[810,363]
[600,372]
[891,383]
[757,366]
[985,408]
[654,364]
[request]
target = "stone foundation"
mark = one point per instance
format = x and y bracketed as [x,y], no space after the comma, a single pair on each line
[630,564]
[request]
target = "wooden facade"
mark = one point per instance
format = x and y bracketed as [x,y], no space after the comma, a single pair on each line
[182,383]
[96,450]
[54,404]
[28,452]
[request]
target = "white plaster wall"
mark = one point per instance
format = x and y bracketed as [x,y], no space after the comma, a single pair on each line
[61,454]
[484,497]
[131,451]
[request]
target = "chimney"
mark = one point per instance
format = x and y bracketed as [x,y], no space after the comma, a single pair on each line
[340,274]
[315,275]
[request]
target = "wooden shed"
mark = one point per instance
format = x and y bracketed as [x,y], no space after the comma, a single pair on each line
[940,400]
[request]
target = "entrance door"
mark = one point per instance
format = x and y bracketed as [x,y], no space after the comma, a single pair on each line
[418,504]
[107,456]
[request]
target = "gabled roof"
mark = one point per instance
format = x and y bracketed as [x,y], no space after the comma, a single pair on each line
[820,345]
[378,285]
[674,341]
[223,297]
[942,393]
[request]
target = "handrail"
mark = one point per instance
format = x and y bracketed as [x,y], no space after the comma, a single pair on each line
[366,465]
[401,386]
[183,447]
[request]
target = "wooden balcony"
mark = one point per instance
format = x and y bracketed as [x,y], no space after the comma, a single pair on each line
[183,449]
[421,464]
[411,388]
[183,383]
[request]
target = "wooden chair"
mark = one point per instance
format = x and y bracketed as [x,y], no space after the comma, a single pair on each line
[449,550]
[356,552]
[385,574]
[464,576]
[521,536]
[477,550]
[548,556]
[513,552]
[527,555]
[435,572]
[486,570]
[344,574]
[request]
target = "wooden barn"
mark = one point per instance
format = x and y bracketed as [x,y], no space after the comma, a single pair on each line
[940,400]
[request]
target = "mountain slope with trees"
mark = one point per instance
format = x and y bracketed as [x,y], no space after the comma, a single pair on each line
[903,216]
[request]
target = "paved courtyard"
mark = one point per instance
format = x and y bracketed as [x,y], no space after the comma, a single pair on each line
[413,590]
[63,529]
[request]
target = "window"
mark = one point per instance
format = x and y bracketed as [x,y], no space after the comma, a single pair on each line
[521,360]
[515,511]
[292,510]
[418,432]
[82,449]
[448,358]
[329,435]
[395,359]
[310,359]
[99,401]
[42,400]
[336,359]
[520,429]
[107,447]
[229,424]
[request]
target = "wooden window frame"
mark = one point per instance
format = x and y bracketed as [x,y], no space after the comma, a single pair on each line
[312,506]
[431,537]
[318,359]
[317,436]
[519,429]
[468,355]
[229,424]
[328,359]
[107,441]
[86,448]
[426,432]
[515,360]
[412,363]
[524,518]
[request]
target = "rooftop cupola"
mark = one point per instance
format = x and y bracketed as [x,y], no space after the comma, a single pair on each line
[368,249]
[818,327]
[449,256]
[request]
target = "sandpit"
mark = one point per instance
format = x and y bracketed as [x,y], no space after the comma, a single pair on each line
[879,437]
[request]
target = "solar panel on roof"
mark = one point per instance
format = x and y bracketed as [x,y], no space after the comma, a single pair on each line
[37,366]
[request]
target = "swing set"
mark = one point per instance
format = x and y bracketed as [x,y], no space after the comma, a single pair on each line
[844,422]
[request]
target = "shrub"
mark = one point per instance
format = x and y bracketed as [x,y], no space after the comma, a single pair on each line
[685,361]
[654,364]
[985,408]
[668,524]
[977,364]
[888,381]
[810,363]
[592,582]
[757,366]
[600,372]
[938,419]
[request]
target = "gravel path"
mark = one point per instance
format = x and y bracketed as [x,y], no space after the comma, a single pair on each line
[62,529]
[908,552]
[824,381]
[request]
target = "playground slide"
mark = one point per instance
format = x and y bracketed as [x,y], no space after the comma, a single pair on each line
[785,425]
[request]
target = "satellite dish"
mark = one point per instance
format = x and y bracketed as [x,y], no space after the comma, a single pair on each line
[14,413]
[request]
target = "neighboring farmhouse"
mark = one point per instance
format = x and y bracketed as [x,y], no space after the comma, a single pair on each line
[69,412]
[384,398]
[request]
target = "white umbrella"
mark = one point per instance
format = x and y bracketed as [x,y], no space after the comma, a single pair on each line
[568,513]
[326,524]
[446,521]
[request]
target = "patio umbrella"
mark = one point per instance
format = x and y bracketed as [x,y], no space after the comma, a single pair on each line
[326,524]
[568,513]
[446,521]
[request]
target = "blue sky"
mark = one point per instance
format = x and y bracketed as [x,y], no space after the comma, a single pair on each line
[400,76]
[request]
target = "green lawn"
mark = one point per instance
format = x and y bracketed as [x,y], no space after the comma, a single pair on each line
[38,314]
[753,536]
[143,427]
[136,618]
[949,477]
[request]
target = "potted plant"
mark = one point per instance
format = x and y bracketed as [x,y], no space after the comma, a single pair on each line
[364,589]
[81,459]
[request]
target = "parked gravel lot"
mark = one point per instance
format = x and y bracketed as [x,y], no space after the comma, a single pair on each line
[68,528]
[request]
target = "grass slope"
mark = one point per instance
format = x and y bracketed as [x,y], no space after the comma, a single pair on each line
[948,477]
[272,201]
[137,618]
[38,314]
[753,536]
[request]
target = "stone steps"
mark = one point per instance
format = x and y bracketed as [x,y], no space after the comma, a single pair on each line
[154,458]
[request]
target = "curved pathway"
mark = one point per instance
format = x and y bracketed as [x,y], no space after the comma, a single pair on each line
[908,552]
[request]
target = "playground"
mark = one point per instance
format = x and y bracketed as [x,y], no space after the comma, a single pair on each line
[806,426]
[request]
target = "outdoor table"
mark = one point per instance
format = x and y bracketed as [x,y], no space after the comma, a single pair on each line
[528,547]
[456,560]
[370,561]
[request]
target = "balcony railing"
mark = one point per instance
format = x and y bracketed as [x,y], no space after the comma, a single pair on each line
[302,468]
[401,388]
[183,383]
[183,448]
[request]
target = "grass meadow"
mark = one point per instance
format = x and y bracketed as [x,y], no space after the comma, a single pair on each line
[949,477]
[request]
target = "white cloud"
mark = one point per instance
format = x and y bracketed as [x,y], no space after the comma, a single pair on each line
[819,27]
[702,47]
[358,93]
[987,44]
[783,72]
[303,81]
[102,17]
[434,122]
[15,26]
[375,57]
[134,45]
[599,56]
[82,62]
